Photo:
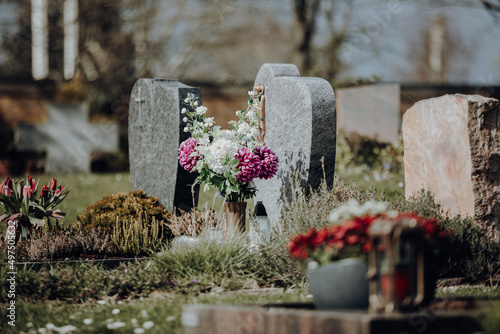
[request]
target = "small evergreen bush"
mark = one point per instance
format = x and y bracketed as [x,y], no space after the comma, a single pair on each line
[123,206]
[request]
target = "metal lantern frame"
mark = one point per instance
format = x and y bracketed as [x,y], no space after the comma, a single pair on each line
[396,265]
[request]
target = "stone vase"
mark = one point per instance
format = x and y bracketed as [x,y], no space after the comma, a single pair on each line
[235,217]
[340,285]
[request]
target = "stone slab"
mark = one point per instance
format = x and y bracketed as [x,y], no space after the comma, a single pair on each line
[68,138]
[211,319]
[371,111]
[300,129]
[155,133]
[452,148]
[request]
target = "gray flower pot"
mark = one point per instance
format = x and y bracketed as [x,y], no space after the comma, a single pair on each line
[341,285]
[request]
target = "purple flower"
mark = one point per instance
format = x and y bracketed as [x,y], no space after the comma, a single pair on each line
[186,159]
[195,281]
[249,165]
[269,162]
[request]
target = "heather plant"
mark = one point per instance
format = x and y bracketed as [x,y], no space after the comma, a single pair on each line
[57,244]
[123,206]
[137,236]
[192,223]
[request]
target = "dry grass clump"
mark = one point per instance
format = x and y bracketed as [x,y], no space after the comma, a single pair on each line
[192,223]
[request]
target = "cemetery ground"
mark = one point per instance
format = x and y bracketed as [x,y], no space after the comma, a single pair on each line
[147,296]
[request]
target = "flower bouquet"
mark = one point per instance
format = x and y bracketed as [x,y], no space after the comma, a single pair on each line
[341,249]
[24,208]
[228,159]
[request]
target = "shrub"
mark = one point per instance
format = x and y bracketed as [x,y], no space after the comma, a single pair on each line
[123,206]
[56,244]
[472,255]
[193,223]
[137,236]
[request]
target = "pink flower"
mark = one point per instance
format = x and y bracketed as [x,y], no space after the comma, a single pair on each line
[58,191]
[27,191]
[249,165]
[6,187]
[269,161]
[186,158]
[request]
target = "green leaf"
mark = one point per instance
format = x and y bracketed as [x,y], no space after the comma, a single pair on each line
[37,222]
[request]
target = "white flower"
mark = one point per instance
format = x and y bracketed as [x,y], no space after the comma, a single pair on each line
[88,321]
[229,135]
[184,119]
[115,311]
[201,110]
[148,324]
[186,129]
[195,103]
[243,128]
[144,313]
[204,139]
[50,326]
[218,151]
[183,111]
[139,330]
[352,208]
[116,325]
[209,121]
[170,318]
[29,324]
[133,321]
[66,329]
[186,100]
[42,330]
[253,133]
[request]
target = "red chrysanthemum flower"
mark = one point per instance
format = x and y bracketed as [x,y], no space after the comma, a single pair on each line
[186,158]
[249,165]
[269,162]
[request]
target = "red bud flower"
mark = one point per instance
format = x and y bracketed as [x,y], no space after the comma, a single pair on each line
[53,184]
[32,183]
[44,191]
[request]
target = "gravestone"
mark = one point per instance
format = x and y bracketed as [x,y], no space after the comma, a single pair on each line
[155,133]
[452,148]
[371,111]
[68,138]
[300,124]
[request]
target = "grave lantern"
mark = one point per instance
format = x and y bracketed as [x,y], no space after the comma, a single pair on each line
[396,265]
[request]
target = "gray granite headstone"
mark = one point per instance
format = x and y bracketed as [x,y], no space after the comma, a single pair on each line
[371,111]
[300,129]
[68,138]
[155,133]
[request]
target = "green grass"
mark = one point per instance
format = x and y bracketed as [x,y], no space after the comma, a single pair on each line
[86,189]
[162,311]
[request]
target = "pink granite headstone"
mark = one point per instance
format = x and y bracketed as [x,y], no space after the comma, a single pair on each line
[452,148]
